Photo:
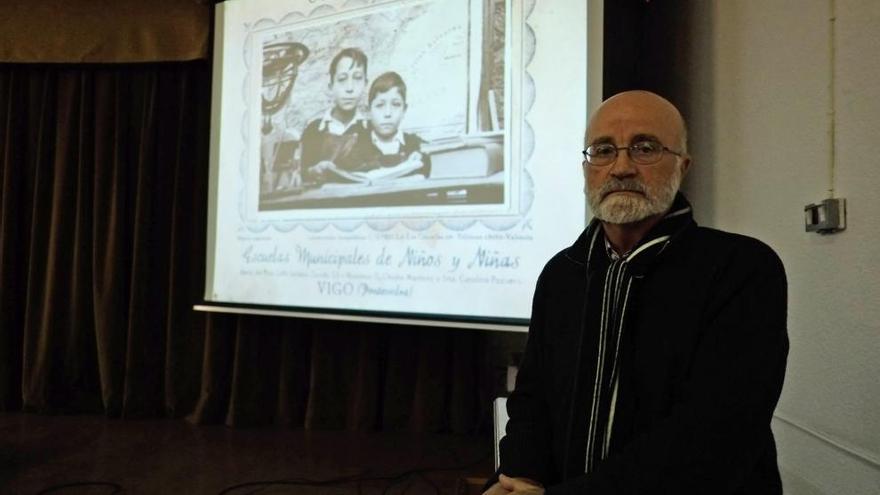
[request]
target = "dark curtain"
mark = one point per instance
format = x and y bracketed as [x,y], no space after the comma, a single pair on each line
[103,173]
[104,31]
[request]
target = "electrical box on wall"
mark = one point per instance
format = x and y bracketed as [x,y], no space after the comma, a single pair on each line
[826,217]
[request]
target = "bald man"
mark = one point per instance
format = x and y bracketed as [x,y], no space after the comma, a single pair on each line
[657,348]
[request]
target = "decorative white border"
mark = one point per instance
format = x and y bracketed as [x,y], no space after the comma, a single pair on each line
[460,222]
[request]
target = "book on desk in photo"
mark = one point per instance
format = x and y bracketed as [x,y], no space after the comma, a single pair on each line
[466,161]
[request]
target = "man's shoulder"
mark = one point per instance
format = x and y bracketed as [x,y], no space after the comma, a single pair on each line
[731,252]
[730,243]
[572,255]
[705,246]
[565,263]
[560,263]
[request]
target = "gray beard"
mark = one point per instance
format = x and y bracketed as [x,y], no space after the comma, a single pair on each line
[621,209]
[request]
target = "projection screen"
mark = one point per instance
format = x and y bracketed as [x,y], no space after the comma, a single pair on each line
[411,161]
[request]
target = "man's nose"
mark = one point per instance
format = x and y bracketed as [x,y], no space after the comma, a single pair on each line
[623,166]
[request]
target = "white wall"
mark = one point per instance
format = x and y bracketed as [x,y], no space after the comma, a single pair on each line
[755,87]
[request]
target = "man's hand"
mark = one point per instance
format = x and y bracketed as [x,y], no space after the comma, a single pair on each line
[520,486]
[496,489]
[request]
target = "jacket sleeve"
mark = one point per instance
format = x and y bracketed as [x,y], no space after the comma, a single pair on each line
[719,428]
[525,449]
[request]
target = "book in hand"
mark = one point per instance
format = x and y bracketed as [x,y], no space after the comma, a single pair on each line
[376,175]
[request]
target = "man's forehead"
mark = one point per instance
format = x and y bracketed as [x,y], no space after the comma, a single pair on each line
[624,122]
[628,139]
[627,129]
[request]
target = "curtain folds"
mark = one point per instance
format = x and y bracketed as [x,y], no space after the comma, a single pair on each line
[104,31]
[103,180]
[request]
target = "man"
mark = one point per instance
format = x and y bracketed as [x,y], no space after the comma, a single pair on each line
[657,348]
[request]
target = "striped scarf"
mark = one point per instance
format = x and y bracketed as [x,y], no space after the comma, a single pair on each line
[621,276]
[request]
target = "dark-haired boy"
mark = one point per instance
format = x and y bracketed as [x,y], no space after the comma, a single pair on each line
[387,145]
[328,141]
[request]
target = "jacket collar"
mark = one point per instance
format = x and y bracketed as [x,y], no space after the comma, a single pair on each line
[589,248]
[328,122]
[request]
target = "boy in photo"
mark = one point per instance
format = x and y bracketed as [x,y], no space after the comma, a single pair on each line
[328,141]
[388,152]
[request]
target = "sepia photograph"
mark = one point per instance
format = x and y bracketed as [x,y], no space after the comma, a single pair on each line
[397,105]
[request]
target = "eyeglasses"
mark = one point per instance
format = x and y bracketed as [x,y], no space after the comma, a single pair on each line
[645,152]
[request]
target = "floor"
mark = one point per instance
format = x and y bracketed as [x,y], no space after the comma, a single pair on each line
[52,454]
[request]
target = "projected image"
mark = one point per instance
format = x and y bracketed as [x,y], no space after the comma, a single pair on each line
[401,106]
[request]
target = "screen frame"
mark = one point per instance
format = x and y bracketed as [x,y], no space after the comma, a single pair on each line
[594,90]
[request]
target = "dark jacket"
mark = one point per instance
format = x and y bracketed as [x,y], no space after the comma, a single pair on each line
[319,144]
[370,157]
[703,362]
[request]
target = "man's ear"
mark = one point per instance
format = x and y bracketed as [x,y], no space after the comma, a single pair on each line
[685,165]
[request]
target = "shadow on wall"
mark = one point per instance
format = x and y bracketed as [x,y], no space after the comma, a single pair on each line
[667,47]
[689,83]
